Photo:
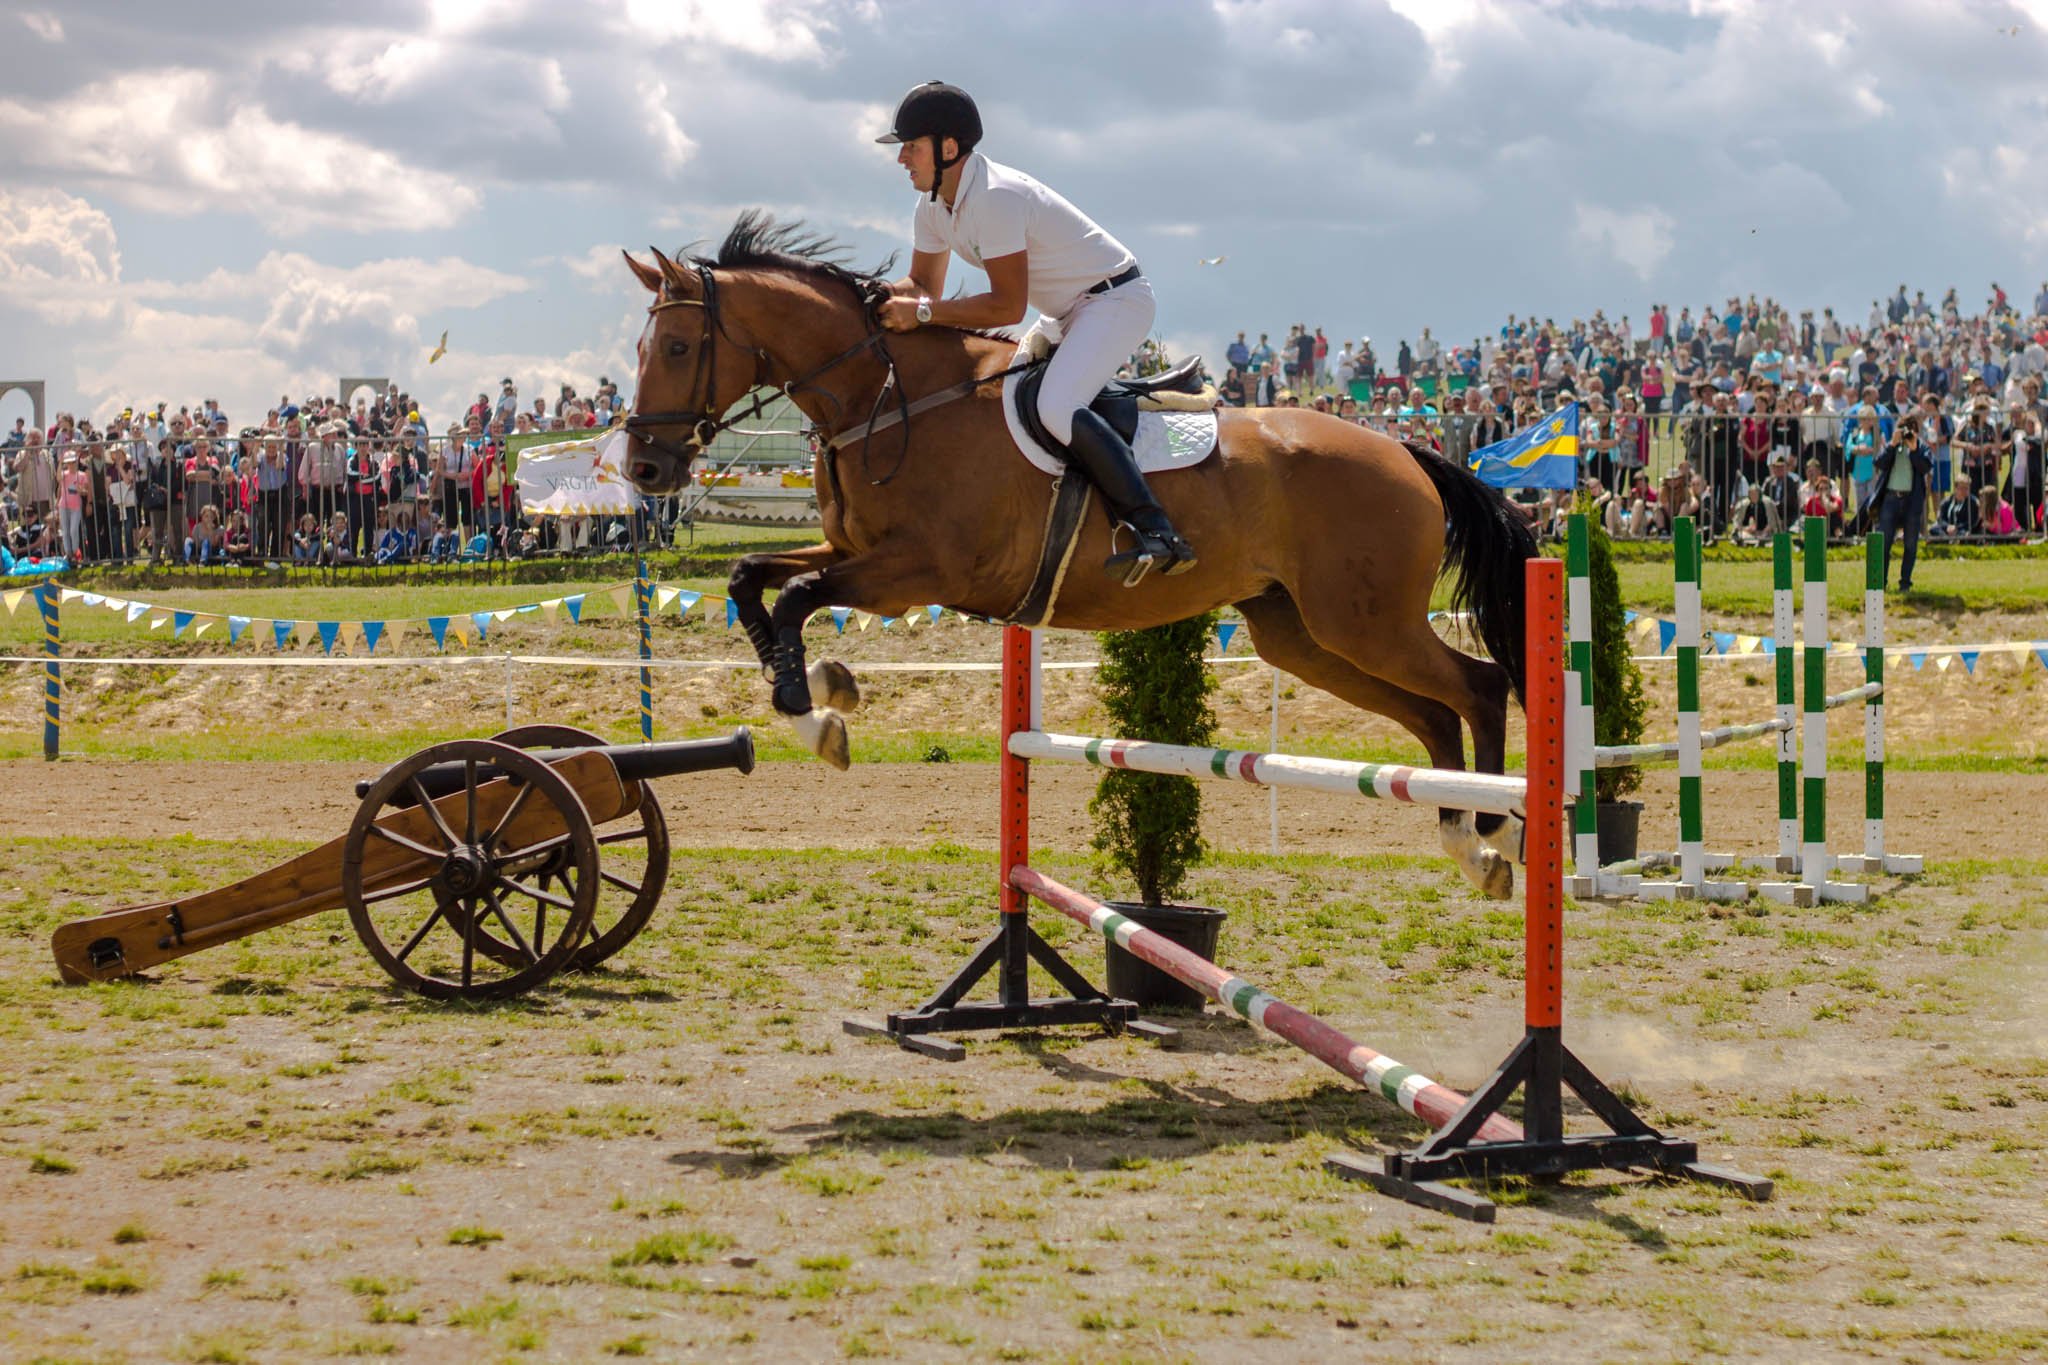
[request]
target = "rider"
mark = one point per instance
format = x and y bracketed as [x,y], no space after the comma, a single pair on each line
[1040,250]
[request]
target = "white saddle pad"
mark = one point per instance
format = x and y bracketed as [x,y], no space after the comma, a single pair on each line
[1165,440]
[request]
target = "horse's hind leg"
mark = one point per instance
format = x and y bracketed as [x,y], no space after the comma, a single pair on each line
[1283,640]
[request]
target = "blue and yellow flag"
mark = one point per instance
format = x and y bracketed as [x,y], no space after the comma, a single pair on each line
[1545,455]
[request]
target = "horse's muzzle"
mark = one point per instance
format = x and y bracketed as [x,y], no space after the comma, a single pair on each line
[657,469]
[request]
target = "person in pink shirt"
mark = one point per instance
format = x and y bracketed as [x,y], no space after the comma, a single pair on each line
[74,501]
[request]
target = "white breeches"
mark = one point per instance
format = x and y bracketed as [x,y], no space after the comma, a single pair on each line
[1097,337]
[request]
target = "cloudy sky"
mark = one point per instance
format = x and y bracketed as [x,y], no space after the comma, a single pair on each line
[241,199]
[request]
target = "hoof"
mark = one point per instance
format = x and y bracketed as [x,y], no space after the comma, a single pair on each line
[1496,879]
[833,687]
[1512,839]
[824,734]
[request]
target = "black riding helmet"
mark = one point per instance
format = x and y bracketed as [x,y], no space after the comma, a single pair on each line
[938,111]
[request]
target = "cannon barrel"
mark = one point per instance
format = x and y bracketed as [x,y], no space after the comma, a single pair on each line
[635,762]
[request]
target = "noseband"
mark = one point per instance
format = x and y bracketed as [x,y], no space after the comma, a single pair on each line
[704,426]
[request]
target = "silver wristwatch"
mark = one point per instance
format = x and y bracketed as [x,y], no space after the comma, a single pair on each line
[924,309]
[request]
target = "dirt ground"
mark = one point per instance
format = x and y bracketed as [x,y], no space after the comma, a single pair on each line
[264,1152]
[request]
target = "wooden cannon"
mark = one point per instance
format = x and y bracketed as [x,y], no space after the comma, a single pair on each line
[475,869]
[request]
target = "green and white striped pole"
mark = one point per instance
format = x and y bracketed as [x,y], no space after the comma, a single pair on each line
[1874,858]
[1814,862]
[1788,702]
[1585,879]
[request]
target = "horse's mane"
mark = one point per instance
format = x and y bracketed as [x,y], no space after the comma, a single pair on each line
[759,241]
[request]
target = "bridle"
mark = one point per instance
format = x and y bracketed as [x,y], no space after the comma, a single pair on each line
[704,425]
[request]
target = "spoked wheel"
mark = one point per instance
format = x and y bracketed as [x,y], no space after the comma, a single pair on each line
[632,859]
[431,887]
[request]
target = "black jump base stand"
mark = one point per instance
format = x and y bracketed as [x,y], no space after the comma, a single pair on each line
[1009,952]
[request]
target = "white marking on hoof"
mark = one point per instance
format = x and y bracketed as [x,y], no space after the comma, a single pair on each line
[1493,875]
[833,687]
[1497,876]
[824,734]
[1512,839]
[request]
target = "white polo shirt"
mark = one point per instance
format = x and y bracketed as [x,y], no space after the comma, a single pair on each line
[999,212]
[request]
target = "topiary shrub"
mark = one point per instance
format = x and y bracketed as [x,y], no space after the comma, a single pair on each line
[1619,708]
[1153,685]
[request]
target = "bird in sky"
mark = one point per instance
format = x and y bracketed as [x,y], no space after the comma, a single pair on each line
[440,349]
[1211,260]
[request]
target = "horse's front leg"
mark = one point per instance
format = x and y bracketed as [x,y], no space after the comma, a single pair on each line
[831,682]
[869,583]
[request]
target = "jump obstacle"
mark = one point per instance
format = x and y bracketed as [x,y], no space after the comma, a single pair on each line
[1471,1139]
[1802,763]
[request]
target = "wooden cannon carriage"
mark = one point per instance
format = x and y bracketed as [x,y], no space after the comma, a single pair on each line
[475,869]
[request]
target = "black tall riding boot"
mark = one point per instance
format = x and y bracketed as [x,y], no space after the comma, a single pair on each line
[1104,457]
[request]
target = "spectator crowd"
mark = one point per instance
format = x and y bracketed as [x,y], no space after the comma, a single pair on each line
[315,482]
[1916,419]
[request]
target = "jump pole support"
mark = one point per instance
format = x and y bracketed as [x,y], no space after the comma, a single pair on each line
[1540,1066]
[1015,945]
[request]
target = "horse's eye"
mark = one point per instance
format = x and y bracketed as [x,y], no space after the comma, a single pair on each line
[678,349]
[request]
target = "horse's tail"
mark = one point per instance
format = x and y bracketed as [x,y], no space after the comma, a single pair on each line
[1486,542]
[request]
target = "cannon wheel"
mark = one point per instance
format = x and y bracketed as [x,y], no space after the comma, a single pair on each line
[486,871]
[631,881]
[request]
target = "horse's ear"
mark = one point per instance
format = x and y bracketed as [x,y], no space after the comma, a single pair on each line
[671,273]
[646,274]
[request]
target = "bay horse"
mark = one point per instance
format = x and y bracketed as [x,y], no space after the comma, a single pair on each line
[1328,537]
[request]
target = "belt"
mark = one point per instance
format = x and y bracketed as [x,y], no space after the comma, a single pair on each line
[1104,286]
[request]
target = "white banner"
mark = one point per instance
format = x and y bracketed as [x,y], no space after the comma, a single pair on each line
[575,477]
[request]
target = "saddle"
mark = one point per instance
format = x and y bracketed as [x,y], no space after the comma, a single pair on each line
[1121,399]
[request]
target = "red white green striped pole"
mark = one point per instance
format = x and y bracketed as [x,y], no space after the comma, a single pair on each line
[1435,1104]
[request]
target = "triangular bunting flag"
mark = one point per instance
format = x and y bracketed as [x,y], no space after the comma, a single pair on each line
[888,621]
[732,612]
[504,615]
[307,631]
[204,623]
[2041,653]
[861,620]
[574,606]
[1770,645]
[1918,658]
[114,603]
[935,612]
[1628,618]
[1970,662]
[283,631]
[461,627]
[439,626]
[13,599]
[549,608]
[1746,644]
[92,599]
[664,596]
[483,624]
[1722,640]
[180,620]
[1224,631]
[621,596]
[158,619]
[1667,631]
[839,615]
[685,599]
[137,610]
[394,631]
[65,594]
[329,632]
[236,625]
[372,631]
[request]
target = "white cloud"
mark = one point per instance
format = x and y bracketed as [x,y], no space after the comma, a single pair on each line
[46,26]
[182,143]
[1640,239]
[779,30]
[672,144]
[58,254]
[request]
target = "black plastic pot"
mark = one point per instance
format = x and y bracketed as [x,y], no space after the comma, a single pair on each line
[1193,927]
[1616,824]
